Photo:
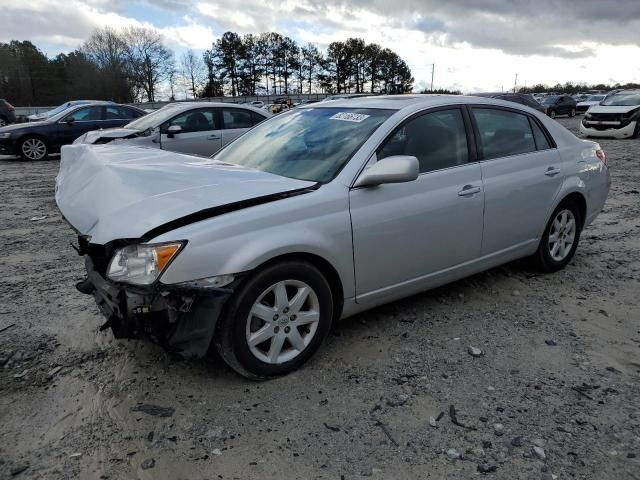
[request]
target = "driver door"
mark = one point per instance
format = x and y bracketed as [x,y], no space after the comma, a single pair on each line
[200,135]
[79,122]
[408,235]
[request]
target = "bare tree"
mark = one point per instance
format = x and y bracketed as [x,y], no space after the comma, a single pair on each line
[193,71]
[150,60]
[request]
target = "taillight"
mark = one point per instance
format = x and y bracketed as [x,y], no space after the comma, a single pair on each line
[601,156]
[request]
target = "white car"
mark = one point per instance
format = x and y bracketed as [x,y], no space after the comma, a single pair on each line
[617,116]
[592,100]
[200,128]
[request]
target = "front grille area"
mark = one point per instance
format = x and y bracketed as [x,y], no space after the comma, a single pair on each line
[605,117]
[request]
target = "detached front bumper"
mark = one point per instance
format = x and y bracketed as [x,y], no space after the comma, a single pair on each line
[182,320]
[607,129]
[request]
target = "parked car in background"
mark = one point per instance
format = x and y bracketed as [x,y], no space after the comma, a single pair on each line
[617,116]
[591,100]
[321,213]
[36,117]
[521,98]
[200,128]
[35,140]
[559,105]
[274,108]
[580,97]
[345,96]
[7,113]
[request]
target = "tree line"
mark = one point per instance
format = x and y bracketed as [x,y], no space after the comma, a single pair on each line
[573,88]
[134,64]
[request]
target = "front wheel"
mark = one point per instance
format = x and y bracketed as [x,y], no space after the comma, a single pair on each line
[33,148]
[276,320]
[552,113]
[3,121]
[572,113]
[560,239]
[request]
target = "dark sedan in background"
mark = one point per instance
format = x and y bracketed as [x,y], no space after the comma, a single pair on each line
[34,141]
[521,98]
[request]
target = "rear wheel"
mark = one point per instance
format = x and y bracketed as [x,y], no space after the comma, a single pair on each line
[276,320]
[33,148]
[560,239]
[552,113]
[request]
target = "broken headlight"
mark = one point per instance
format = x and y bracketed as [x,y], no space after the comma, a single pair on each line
[142,264]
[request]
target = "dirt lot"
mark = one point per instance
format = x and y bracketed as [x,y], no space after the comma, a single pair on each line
[393,393]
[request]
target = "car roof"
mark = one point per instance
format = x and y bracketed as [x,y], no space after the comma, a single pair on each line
[408,101]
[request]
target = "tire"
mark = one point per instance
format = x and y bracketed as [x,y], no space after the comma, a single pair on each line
[273,353]
[636,134]
[33,148]
[552,113]
[545,259]
[572,113]
[3,121]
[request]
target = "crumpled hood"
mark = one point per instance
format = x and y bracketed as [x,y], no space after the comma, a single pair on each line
[612,108]
[113,192]
[112,133]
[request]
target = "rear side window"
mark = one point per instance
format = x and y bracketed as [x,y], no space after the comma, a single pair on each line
[236,118]
[114,112]
[541,140]
[256,118]
[86,114]
[438,140]
[503,133]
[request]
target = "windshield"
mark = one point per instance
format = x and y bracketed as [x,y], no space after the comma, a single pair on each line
[152,119]
[307,144]
[595,98]
[550,100]
[623,99]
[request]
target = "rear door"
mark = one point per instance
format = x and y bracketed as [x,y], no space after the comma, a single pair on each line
[236,121]
[117,116]
[200,135]
[405,232]
[521,176]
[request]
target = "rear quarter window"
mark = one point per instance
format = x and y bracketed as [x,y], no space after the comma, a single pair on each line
[503,133]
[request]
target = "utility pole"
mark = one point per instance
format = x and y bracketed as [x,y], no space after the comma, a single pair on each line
[515,83]
[433,69]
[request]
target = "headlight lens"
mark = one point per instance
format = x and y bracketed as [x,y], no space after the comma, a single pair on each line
[5,135]
[141,264]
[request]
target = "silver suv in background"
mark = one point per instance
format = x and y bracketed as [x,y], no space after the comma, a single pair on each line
[320,213]
[200,128]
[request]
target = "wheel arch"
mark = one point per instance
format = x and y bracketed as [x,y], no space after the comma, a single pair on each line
[325,267]
[578,199]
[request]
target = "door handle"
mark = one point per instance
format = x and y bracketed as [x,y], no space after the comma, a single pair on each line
[551,171]
[213,137]
[468,190]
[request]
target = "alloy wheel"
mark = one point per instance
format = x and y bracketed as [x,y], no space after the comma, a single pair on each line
[562,235]
[282,321]
[34,149]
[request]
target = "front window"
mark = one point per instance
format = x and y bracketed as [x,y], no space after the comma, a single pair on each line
[308,144]
[623,99]
[550,100]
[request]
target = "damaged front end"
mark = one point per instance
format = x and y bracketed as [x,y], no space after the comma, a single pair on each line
[181,318]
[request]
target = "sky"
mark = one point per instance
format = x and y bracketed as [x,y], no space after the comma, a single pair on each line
[475,45]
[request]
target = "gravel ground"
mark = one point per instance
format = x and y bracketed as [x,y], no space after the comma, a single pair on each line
[394,393]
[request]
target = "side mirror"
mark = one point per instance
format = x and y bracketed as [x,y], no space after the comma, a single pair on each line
[173,130]
[395,169]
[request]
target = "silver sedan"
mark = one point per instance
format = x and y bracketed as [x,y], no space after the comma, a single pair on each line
[320,213]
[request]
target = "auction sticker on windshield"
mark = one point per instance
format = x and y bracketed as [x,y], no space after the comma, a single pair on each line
[349,117]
